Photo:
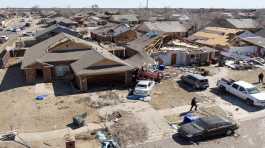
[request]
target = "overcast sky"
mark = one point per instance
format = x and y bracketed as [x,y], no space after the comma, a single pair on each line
[136,3]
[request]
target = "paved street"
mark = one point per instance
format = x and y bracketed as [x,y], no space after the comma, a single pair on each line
[250,135]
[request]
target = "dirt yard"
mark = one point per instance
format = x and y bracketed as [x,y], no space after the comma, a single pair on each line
[21,111]
[169,94]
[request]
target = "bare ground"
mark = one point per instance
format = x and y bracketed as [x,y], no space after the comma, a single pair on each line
[169,94]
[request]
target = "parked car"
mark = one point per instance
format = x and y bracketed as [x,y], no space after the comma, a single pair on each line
[207,127]
[243,90]
[3,39]
[150,75]
[196,81]
[144,88]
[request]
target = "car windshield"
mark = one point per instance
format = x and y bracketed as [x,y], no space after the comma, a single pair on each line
[204,81]
[253,90]
[200,124]
[141,86]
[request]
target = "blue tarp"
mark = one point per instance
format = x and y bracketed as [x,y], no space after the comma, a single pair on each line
[189,118]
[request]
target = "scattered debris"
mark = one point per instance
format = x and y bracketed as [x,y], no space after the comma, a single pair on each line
[128,129]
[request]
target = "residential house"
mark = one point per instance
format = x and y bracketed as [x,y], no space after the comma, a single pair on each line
[173,28]
[121,33]
[230,42]
[124,19]
[215,37]
[66,22]
[70,58]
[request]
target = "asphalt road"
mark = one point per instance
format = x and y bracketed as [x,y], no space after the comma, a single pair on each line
[251,134]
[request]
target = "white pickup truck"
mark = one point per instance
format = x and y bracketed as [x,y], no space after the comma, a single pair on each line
[243,90]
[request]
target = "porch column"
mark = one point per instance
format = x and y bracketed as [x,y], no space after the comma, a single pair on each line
[82,83]
[128,78]
[30,75]
[47,74]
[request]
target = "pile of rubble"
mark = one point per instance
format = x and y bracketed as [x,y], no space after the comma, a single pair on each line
[98,100]
[127,128]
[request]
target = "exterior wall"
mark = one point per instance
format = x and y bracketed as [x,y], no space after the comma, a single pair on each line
[166,57]
[30,75]
[246,50]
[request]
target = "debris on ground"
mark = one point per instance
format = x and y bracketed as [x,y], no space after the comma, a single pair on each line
[105,99]
[87,135]
[128,129]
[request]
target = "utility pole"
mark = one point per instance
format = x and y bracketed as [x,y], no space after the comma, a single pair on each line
[147,3]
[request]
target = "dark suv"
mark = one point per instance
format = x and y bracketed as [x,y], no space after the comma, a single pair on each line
[196,81]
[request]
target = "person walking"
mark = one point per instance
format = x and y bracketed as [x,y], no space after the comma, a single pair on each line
[194,103]
[261,76]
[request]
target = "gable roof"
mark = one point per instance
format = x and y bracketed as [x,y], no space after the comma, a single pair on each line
[88,63]
[213,36]
[163,27]
[243,23]
[34,53]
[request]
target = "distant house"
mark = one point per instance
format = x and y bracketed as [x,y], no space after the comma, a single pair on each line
[245,24]
[114,33]
[166,27]
[85,63]
[54,30]
[215,37]
[125,19]
[256,42]
[231,42]
[66,22]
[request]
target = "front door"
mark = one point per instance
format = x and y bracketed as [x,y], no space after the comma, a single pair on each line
[173,59]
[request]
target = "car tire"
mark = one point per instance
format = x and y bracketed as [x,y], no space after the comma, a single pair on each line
[222,88]
[229,132]
[250,102]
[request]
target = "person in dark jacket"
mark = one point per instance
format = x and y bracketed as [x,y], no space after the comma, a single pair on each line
[261,76]
[194,103]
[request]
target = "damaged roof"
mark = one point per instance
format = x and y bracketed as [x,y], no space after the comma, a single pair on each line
[213,36]
[163,27]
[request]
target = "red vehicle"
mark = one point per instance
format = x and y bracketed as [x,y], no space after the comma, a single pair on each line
[151,75]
